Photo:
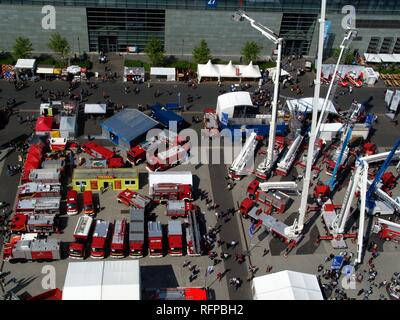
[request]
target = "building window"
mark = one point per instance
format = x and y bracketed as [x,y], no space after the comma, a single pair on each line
[377,24]
[386,45]
[396,48]
[130,182]
[374,44]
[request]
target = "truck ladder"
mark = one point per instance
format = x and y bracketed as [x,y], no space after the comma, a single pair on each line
[289,157]
[281,185]
[245,154]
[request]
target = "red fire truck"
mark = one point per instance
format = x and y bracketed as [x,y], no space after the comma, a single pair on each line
[175,294]
[72,203]
[37,223]
[118,242]
[81,235]
[99,152]
[246,205]
[38,190]
[193,235]
[163,160]
[175,185]
[178,208]
[88,206]
[155,239]
[387,230]
[29,248]
[100,239]
[136,233]
[138,153]
[175,238]
[131,198]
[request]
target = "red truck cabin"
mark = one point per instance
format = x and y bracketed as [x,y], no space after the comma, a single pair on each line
[175,238]
[118,243]
[100,239]
[252,188]
[246,205]
[18,223]
[136,233]
[133,199]
[155,239]
[171,191]
[82,233]
[178,208]
[136,155]
[72,202]
[88,206]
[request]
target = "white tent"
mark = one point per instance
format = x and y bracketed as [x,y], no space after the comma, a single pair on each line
[25,64]
[170,73]
[95,108]
[102,280]
[228,71]
[387,58]
[305,105]
[74,69]
[372,58]
[226,102]
[272,73]
[207,70]
[370,76]
[45,70]
[250,71]
[396,56]
[286,285]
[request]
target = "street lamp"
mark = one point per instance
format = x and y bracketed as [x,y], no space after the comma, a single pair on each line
[271,158]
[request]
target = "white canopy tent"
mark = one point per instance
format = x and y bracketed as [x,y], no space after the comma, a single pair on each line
[229,70]
[250,71]
[74,69]
[306,105]
[25,64]
[396,56]
[45,69]
[102,280]
[226,102]
[272,73]
[95,108]
[372,58]
[207,70]
[170,73]
[388,58]
[286,285]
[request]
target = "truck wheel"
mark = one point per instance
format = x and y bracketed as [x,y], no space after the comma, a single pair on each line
[387,239]
[23,260]
[13,261]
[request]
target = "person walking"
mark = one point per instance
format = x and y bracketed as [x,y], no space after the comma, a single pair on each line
[219,276]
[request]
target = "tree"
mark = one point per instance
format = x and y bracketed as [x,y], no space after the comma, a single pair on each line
[201,54]
[251,51]
[22,48]
[155,51]
[59,45]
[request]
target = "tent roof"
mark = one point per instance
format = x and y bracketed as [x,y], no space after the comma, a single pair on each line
[67,123]
[227,71]
[305,105]
[25,64]
[96,108]
[387,57]
[44,124]
[232,99]
[250,71]
[372,57]
[162,71]
[134,71]
[208,70]
[129,124]
[396,56]
[287,285]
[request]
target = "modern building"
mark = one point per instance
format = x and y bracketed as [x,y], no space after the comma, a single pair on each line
[109,25]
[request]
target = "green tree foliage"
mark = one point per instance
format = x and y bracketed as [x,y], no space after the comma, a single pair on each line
[251,51]
[201,54]
[155,51]
[59,45]
[22,48]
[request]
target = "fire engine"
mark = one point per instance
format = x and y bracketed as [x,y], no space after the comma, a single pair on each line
[285,165]
[172,156]
[138,153]
[155,239]
[100,239]
[133,199]
[88,206]
[136,233]
[165,186]
[72,203]
[38,190]
[99,152]
[29,247]
[45,205]
[193,234]
[175,238]
[178,208]
[82,233]
[38,223]
[387,230]
[118,242]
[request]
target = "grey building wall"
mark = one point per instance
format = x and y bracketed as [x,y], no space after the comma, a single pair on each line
[26,21]
[225,37]
[365,35]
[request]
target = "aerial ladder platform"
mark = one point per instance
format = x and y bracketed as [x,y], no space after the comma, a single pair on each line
[244,162]
[284,166]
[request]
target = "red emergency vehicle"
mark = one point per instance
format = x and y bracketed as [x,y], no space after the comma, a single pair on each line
[118,242]
[82,233]
[387,230]
[100,240]
[72,203]
[35,223]
[178,208]
[164,160]
[88,205]
[99,152]
[136,233]
[162,192]
[193,235]
[131,198]
[175,238]
[155,239]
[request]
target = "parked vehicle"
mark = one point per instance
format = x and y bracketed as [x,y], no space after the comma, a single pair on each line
[100,240]
[88,206]
[119,240]
[36,223]
[72,203]
[178,208]
[136,233]
[133,199]
[82,234]
[175,238]
[155,239]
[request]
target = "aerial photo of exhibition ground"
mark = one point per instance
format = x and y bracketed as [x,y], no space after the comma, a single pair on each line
[257,159]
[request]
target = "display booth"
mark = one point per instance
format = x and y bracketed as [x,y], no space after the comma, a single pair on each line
[163,73]
[45,71]
[136,75]
[25,68]
[218,71]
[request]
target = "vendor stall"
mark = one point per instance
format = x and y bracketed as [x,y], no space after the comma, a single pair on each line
[372,58]
[7,71]
[306,105]
[45,71]
[163,73]
[95,108]
[218,71]
[97,179]
[68,127]
[136,75]
[44,126]
[25,68]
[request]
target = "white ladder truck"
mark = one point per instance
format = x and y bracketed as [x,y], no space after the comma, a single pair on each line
[298,225]
[244,161]
[266,166]
[284,166]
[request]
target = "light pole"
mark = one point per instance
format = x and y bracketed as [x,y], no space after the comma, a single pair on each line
[271,158]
